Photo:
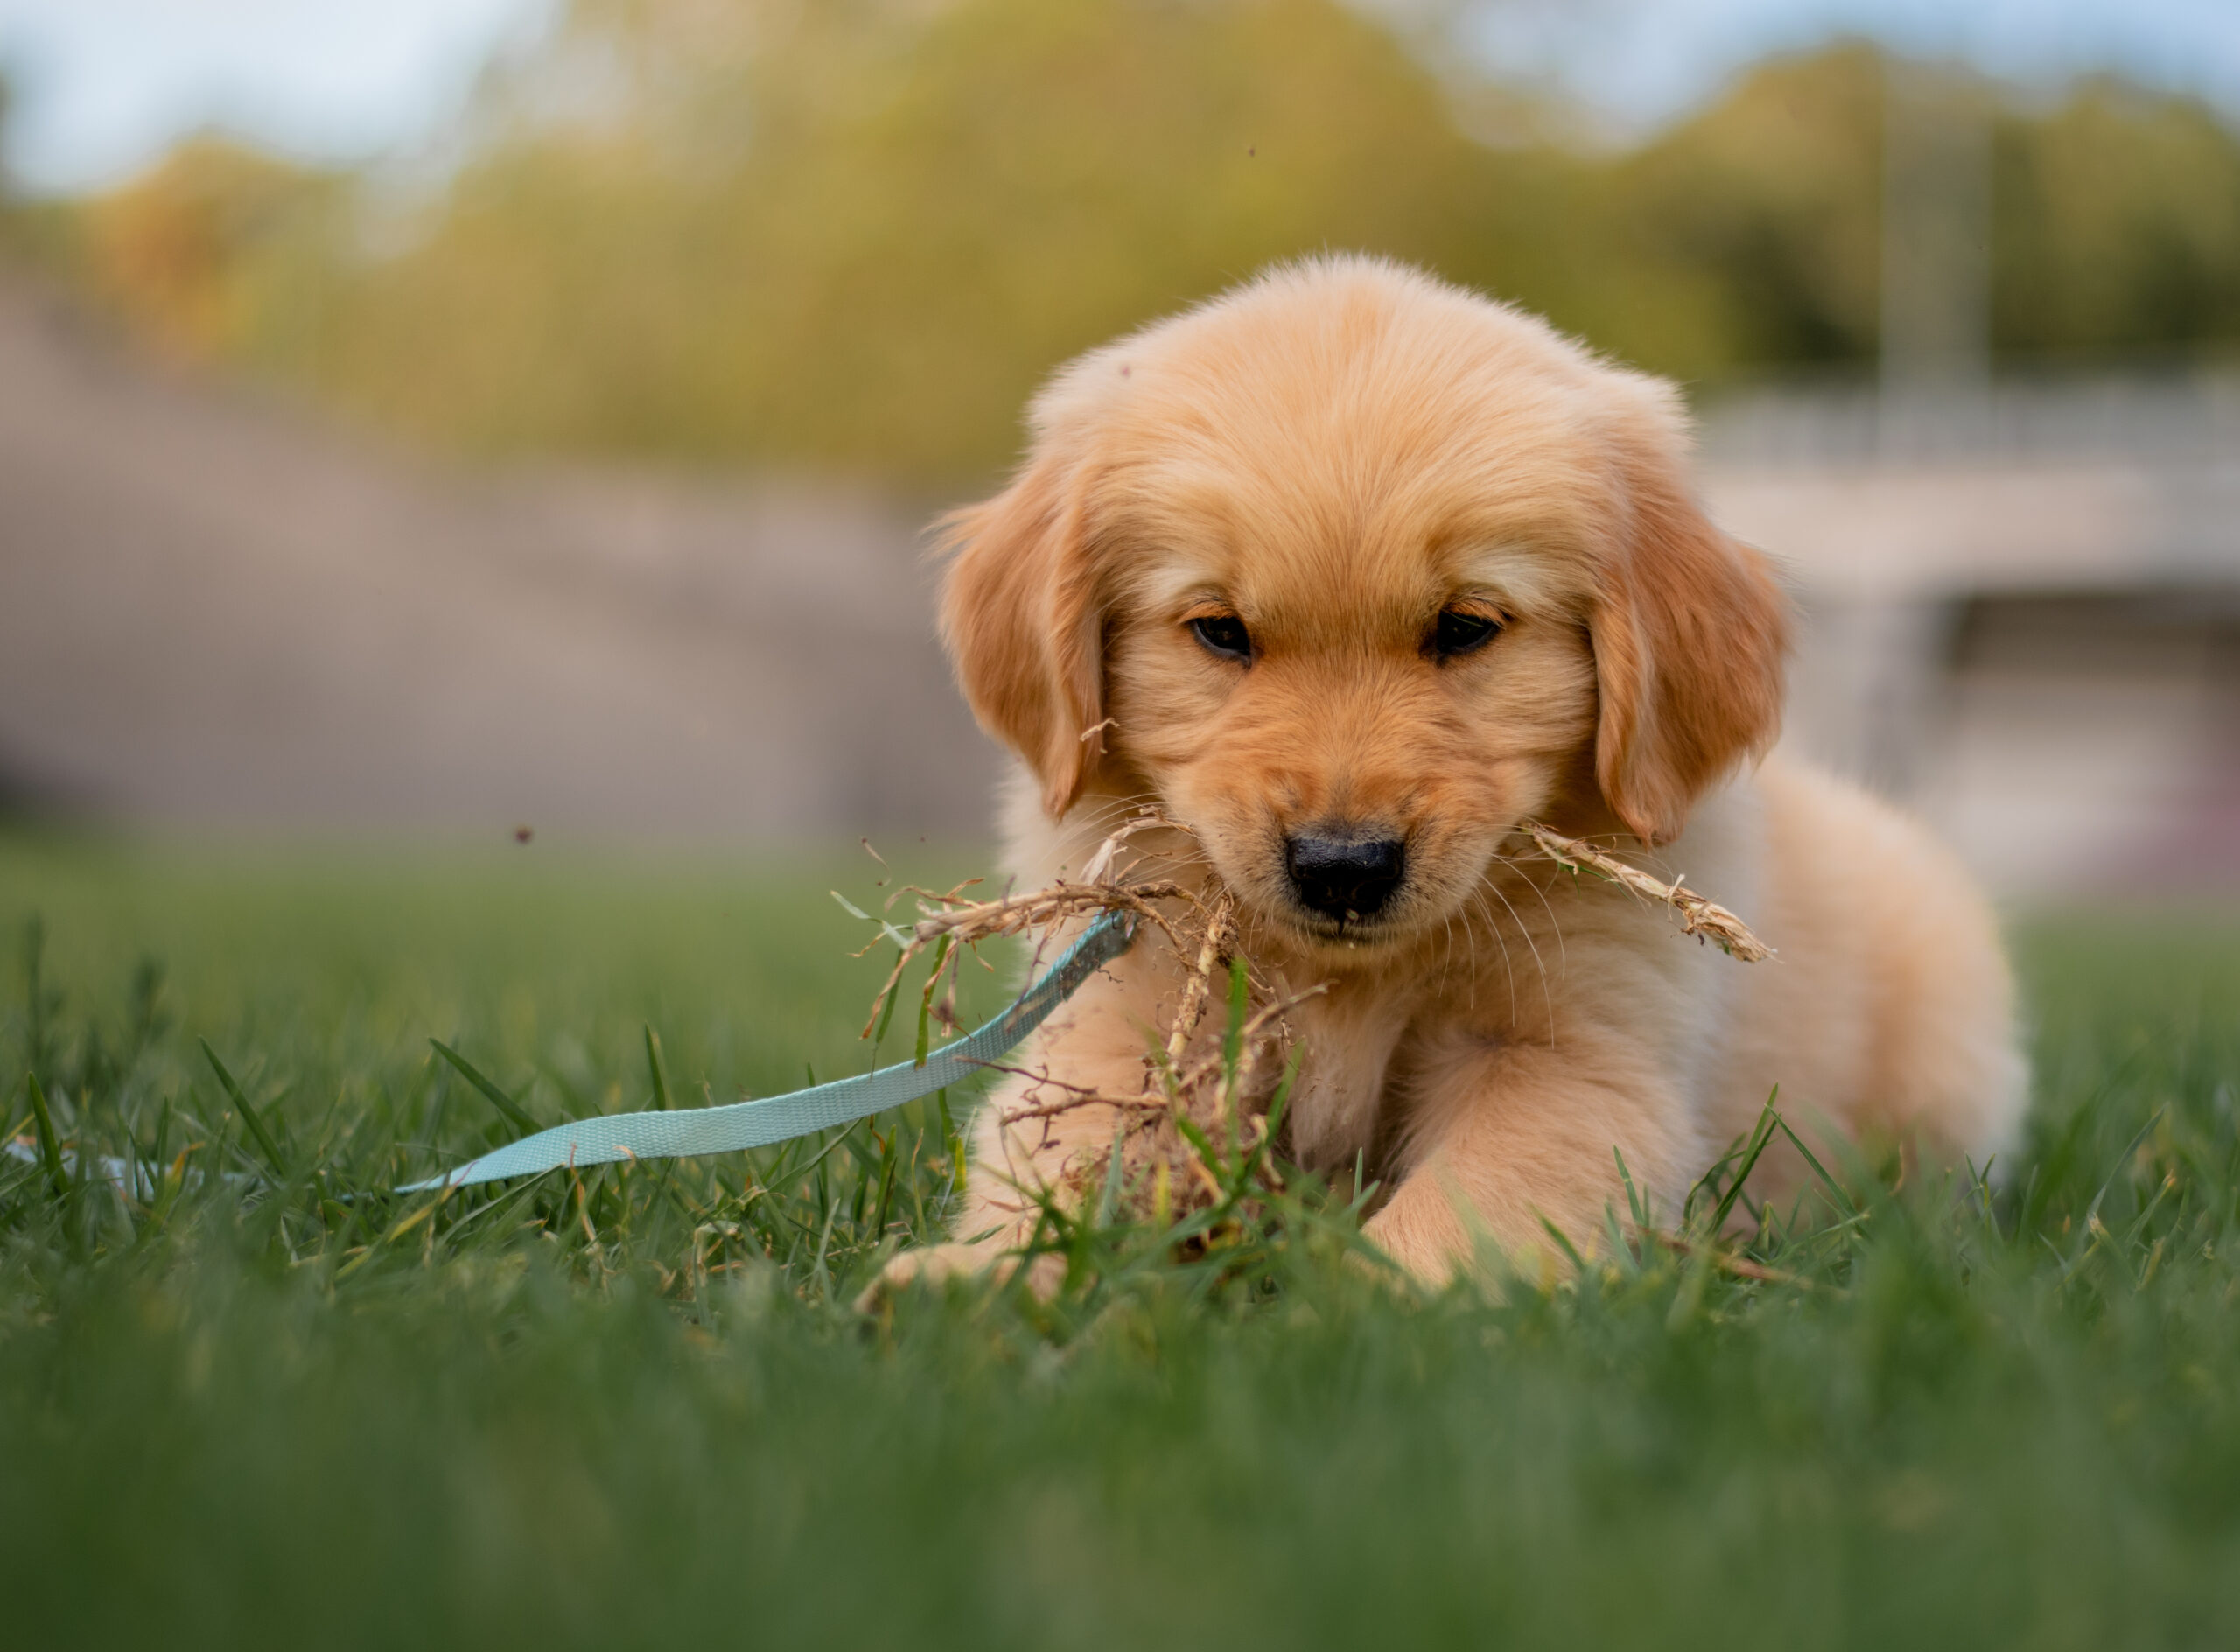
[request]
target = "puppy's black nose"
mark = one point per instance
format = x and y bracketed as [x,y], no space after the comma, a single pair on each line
[1345,877]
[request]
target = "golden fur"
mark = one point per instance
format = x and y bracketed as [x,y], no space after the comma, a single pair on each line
[1333,455]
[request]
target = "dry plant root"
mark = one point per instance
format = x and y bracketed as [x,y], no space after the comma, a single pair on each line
[1705,920]
[1196,1135]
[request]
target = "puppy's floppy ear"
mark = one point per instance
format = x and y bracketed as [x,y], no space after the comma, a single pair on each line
[1021,620]
[1690,633]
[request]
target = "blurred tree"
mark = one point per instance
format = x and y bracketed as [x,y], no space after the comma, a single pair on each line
[852,235]
[24,227]
[1770,200]
[2115,226]
[221,253]
[821,241]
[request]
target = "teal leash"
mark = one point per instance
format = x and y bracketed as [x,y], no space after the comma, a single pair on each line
[697,1131]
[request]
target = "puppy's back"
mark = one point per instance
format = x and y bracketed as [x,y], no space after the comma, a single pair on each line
[1889,1013]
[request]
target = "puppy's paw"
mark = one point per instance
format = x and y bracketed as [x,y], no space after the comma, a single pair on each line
[1434,1245]
[933,1264]
[936,1264]
[1420,1236]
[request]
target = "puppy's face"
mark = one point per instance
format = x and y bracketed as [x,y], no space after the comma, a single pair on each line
[1354,571]
[1351,701]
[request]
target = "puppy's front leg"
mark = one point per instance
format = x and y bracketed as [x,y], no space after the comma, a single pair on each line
[1038,1123]
[1504,1141]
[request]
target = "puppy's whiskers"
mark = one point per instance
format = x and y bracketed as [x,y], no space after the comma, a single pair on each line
[1477,900]
[1525,870]
[1095,821]
[1547,995]
[1538,962]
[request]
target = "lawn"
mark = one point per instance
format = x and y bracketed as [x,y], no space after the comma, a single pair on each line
[260,1401]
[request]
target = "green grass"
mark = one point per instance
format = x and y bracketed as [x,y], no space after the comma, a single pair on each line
[283,1407]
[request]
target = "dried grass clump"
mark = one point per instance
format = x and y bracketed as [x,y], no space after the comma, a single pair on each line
[1197,1135]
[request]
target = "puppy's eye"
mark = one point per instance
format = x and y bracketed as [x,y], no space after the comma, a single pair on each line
[1457,632]
[1223,634]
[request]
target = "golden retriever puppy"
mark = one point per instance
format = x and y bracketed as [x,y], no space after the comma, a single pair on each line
[1347,572]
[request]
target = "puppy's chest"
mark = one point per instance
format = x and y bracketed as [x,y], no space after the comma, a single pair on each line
[1357,1042]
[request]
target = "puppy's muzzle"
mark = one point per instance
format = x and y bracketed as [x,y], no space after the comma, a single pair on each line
[1342,875]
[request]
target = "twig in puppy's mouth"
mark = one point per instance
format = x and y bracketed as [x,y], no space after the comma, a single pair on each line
[962,923]
[1707,919]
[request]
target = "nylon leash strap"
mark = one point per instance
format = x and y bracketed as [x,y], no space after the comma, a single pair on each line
[694,1132]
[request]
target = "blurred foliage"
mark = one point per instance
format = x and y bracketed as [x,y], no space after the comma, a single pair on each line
[2118,225]
[215,252]
[853,235]
[30,231]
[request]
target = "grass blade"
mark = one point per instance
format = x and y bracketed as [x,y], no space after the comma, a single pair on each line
[926,1003]
[1761,1137]
[497,1098]
[265,1145]
[49,1146]
[1850,1205]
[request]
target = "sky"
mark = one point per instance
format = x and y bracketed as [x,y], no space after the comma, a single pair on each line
[103,87]
[1642,62]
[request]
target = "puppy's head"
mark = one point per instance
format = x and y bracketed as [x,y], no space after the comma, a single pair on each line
[1354,570]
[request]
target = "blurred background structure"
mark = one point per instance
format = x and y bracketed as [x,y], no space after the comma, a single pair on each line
[432,419]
